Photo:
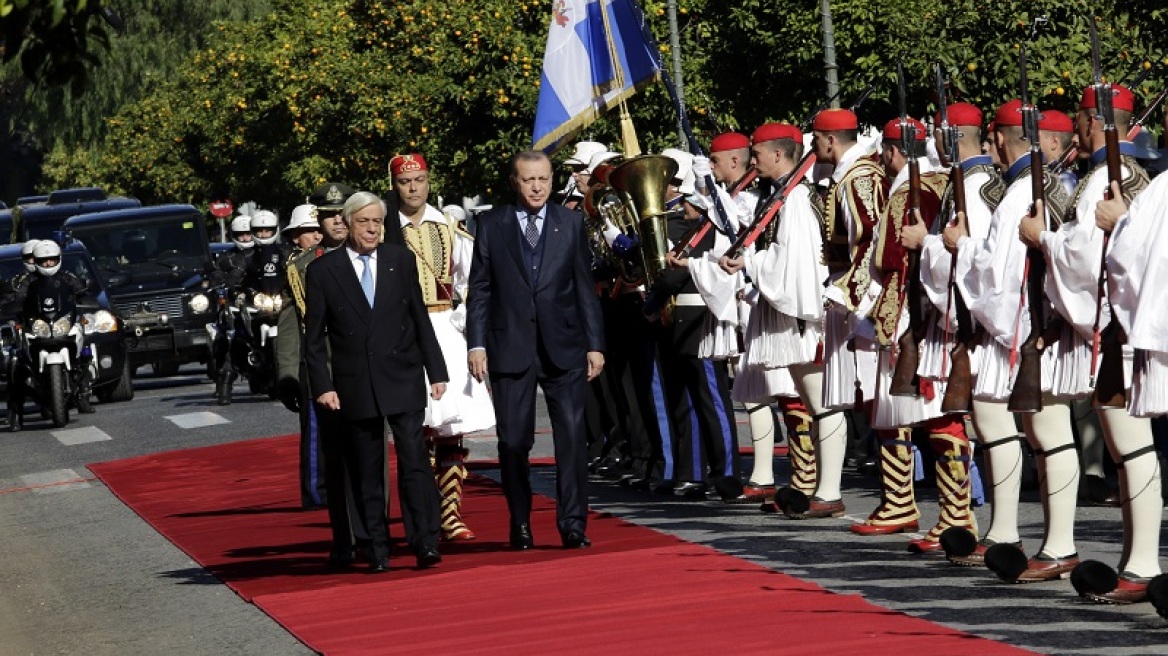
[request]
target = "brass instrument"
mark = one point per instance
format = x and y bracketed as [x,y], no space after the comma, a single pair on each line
[643,181]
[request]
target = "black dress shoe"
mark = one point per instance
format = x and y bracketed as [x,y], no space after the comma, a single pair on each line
[691,490]
[576,540]
[521,539]
[15,422]
[428,557]
[379,565]
[340,559]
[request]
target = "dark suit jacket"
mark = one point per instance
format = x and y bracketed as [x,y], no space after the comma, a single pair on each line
[508,312]
[378,353]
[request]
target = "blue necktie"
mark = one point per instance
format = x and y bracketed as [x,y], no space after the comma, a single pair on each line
[366,278]
[532,232]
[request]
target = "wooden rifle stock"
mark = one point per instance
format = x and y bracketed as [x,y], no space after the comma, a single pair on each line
[959,386]
[1110,391]
[1027,393]
[905,381]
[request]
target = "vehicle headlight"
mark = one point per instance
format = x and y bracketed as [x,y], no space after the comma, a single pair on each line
[277,302]
[102,321]
[263,303]
[61,326]
[40,328]
[199,303]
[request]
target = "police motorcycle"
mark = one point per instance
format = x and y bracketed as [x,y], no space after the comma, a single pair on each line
[246,326]
[52,360]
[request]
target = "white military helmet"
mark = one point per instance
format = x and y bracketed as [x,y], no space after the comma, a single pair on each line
[47,250]
[241,225]
[26,253]
[265,219]
[303,216]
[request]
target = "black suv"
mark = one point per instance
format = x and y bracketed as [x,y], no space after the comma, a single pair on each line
[40,220]
[154,263]
[105,331]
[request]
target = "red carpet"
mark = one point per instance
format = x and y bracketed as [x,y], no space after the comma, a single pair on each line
[234,509]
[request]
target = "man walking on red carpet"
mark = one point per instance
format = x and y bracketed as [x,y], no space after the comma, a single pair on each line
[374,373]
[532,310]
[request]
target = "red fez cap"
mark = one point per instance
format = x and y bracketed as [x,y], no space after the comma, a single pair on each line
[1055,121]
[962,113]
[772,131]
[1009,115]
[830,120]
[729,141]
[1122,98]
[892,131]
[407,163]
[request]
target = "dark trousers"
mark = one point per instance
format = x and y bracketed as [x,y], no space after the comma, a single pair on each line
[313,489]
[339,482]
[514,398]
[634,362]
[699,395]
[365,458]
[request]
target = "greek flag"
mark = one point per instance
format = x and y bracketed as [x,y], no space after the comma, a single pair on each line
[580,79]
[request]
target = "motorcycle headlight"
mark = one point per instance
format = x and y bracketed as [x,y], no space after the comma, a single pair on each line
[61,326]
[263,303]
[102,321]
[40,328]
[199,303]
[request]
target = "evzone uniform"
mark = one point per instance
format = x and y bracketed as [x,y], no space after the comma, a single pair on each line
[756,384]
[991,271]
[443,251]
[893,416]
[856,200]
[993,423]
[1073,255]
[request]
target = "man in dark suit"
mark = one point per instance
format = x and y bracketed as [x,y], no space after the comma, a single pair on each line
[532,310]
[365,298]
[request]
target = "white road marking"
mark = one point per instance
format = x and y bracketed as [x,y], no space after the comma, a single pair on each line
[84,435]
[197,420]
[57,480]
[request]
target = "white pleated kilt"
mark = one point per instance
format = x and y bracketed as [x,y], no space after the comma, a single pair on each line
[935,361]
[757,384]
[466,406]
[772,339]
[1149,389]
[1070,366]
[843,367]
[896,411]
[719,339]
[993,379]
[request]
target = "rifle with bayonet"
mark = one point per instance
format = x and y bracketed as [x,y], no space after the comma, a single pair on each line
[905,381]
[774,202]
[696,234]
[1027,393]
[959,385]
[1110,391]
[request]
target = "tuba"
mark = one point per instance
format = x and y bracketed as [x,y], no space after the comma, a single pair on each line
[643,181]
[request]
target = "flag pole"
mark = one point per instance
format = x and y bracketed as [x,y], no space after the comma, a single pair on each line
[631,146]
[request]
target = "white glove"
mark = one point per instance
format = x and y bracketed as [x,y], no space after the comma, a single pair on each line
[458,318]
[701,167]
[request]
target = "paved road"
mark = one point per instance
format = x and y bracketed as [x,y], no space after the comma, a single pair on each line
[82,574]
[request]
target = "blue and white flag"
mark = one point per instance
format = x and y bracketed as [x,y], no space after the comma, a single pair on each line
[580,79]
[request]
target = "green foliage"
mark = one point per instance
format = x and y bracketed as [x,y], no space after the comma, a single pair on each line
[57,41]
[319,90]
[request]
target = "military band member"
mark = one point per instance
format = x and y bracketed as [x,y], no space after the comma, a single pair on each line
[1074,254]
[571,195]
[856,200]
[992,272]
[697,387]
[443,251]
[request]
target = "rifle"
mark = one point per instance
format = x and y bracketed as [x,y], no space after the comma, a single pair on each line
[696,234]
[905,381]
[1071,154]
[1110,392]
[774,202]
[1027,393]
[959,385]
